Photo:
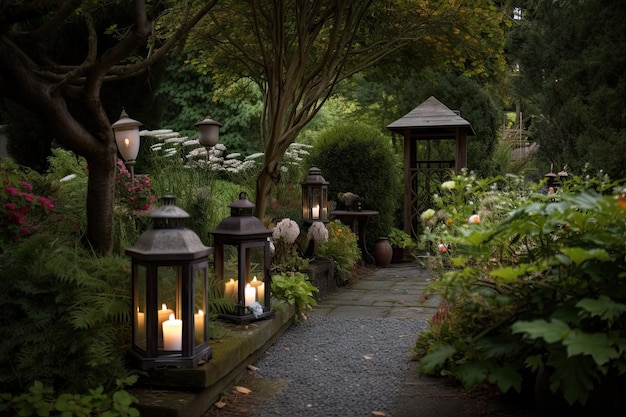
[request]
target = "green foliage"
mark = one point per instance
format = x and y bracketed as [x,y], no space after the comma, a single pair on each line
[355,158]
[400,239]
[296,289]
[66,316]
[571,81]
[342,247]
[184,91]
[537,283]
[40,400]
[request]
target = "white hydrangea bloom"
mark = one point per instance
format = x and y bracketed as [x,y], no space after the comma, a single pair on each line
[318,233]
[286,230]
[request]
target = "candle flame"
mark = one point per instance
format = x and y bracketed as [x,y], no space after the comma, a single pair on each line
[200,312]
[163,306]
[172,317]
[127,142]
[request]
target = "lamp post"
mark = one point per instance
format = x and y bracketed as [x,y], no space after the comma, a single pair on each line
[315,197]
[242,262]
[208,133]
[170,283]
[126,132]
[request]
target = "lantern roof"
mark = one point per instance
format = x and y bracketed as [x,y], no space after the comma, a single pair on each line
[315,177]
[241,225]
[168,239]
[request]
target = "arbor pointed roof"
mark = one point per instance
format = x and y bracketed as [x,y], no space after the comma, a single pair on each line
[430,114]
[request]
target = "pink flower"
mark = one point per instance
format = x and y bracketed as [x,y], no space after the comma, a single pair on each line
[10,206]
[26,186]
[11,190]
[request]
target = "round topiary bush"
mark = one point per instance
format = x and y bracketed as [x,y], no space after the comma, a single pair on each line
[357,158]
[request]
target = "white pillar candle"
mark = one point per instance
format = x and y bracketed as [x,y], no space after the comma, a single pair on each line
[164,314]
[141,327]
[232,289]
[315,212]
[172,334]
[250,295]
[198,323]
[260,293]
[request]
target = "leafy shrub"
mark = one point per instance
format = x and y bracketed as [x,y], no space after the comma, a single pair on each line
[21,209]
[356,158]
[541,286]
[296,289]
[342,247]
[40,400]
[66,316]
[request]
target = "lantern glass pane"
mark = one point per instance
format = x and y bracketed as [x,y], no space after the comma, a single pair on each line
[168,304]
[200,307]
[256,288]
[305,203]
[316,203]
[324,203]
[140,306]
[231,282]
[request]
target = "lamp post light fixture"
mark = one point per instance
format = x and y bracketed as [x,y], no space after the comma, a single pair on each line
[315,197]
[126,132]
[170,283]
[242,262]
[208,132]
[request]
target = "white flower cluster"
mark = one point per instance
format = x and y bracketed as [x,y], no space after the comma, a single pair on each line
[171,144]
[318,233]
[286,230]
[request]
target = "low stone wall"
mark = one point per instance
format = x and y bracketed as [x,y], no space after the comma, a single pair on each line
[321,273]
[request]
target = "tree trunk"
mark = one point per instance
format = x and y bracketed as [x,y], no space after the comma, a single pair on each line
[100,200]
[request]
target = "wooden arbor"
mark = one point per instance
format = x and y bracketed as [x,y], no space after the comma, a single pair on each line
[435,144]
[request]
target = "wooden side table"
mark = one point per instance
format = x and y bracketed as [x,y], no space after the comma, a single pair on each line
[357,220]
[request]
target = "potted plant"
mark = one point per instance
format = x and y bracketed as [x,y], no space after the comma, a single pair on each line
[400,241]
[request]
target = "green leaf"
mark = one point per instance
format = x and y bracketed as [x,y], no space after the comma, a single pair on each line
[604,307]
[505,378]
[472,373]
[552,332]
[579,255]
[436,358]
[597,345]
[508,273]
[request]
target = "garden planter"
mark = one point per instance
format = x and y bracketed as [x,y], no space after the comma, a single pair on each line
[383,252]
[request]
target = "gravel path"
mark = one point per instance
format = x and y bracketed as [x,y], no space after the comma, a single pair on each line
[337,367]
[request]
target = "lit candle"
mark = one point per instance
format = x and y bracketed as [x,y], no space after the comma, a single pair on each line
[254,282]
[172,334]
[198,322]
[141,326]
[315,211]
[250,295]
[260,293]
[164,314]
[232,288]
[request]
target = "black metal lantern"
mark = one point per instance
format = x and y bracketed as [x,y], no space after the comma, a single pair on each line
[315,197]
[242,262]
[170,282]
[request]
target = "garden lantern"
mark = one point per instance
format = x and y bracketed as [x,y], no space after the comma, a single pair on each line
[170,267]
[315,197]
[126,132]
[242,262]
[208,132]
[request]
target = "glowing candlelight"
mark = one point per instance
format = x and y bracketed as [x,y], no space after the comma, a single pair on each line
[172,334]
[250,295]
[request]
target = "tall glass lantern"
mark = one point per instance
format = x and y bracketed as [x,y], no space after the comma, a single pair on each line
[170,282]
[242,263]
[315,197]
